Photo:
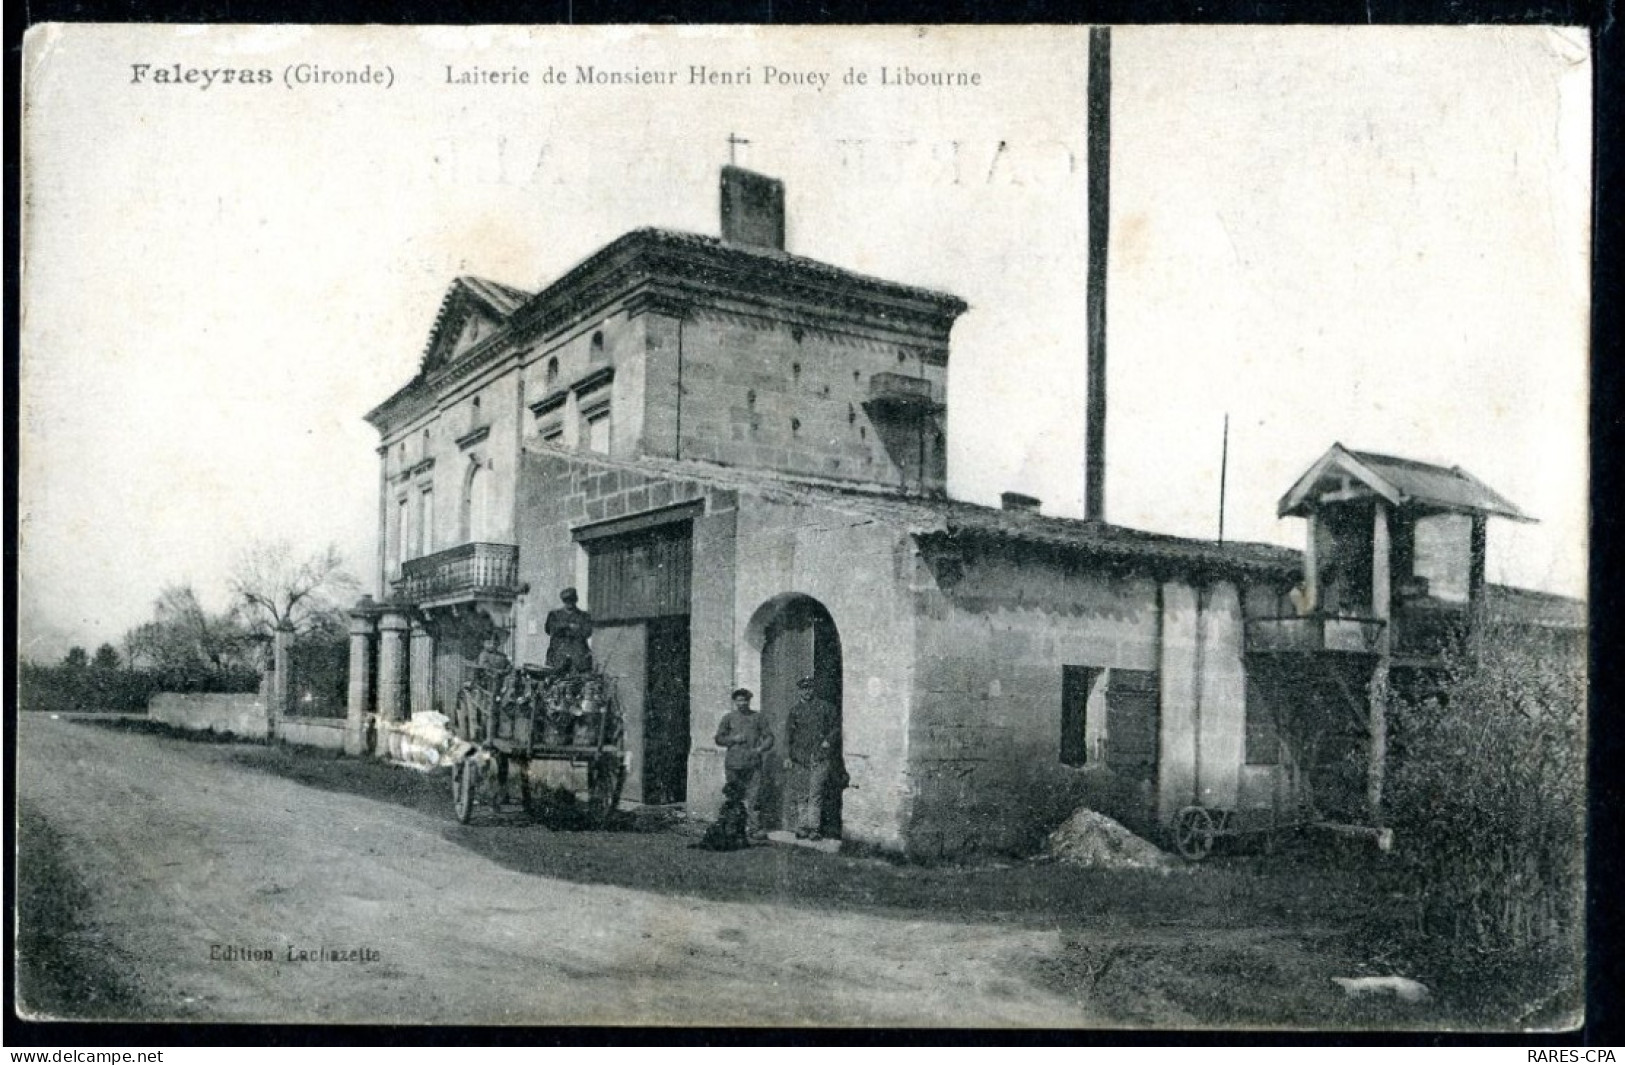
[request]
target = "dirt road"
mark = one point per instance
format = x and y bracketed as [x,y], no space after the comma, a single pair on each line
[190,859]
[184,873]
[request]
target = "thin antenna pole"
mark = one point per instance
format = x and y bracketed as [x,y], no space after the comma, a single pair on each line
[1224,469]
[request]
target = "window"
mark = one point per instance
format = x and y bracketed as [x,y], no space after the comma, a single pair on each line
[552,372]
[552,432]
[597,348]
[1444,555]
[1133,710]
[595,429]
[403,532]
[426,522]
[476,491]
[1077,684]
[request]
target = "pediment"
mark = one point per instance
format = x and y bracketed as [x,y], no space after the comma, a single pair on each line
[471,311]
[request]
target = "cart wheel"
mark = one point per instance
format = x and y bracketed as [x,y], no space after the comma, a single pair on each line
[604,778]
[499,787]
[1193,833]
[465,782]
[464,716]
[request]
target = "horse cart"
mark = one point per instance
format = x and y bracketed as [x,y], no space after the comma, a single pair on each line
[509,718]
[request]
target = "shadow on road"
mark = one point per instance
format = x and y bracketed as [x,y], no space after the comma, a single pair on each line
[648,853]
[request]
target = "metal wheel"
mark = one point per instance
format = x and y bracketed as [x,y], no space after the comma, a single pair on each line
[1193,833]
[465,782]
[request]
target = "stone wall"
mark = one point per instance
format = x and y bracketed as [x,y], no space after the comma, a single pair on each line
[765,392]
[985,763]
[239,715]
[985,740]
[749,554]
[858,569]
[328,735]
[1204,695]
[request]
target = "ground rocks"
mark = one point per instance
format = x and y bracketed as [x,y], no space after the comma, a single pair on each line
[1095,841]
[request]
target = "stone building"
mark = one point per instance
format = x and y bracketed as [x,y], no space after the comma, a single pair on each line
[737,455]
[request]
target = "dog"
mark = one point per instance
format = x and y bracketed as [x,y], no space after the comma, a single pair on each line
[727,832]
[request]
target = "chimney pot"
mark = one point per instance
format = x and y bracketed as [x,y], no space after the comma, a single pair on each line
[1020,501]
[752,209]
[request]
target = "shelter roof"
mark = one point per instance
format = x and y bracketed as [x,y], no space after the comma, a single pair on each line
[1400,481]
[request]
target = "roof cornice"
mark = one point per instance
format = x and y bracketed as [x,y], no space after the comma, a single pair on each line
[669,271]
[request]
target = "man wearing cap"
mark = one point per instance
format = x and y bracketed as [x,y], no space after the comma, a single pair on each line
[570,628]
[812,734]
[745,736]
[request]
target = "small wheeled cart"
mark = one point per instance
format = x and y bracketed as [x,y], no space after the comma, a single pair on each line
[1195,829]
[512,717]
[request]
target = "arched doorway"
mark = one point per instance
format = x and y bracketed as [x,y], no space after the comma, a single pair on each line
[797,638]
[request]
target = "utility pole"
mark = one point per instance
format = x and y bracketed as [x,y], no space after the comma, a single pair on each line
[1099,191]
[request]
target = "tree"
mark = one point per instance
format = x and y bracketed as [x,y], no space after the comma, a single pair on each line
[76,658]
[106,657]
[277,587]
[185,640]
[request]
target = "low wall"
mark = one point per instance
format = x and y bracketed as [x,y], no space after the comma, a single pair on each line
[239,714]
[324,732]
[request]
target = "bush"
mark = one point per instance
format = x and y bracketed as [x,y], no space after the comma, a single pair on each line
[69,688]
[1487,795]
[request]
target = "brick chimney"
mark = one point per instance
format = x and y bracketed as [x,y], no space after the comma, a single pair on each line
[752,209]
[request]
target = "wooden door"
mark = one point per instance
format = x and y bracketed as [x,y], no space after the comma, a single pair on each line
[665,712]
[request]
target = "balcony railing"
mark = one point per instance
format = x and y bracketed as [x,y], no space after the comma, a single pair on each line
[467,571]
[1313,634]
[900,392]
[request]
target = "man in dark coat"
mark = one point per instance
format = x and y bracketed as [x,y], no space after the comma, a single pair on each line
[811,735]
[745,736]
[570,629]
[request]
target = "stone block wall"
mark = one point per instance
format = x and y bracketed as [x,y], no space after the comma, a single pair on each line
[239,715]
[558,494]
[310,732]
[766,392]
[985,739]
[859,569]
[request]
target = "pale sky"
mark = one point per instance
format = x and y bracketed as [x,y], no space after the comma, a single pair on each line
[1373,236]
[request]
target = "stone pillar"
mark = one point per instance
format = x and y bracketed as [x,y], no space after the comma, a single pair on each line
[363,629]
[282,694]
[392,667]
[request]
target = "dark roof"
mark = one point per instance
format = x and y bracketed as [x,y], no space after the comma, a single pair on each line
[1402,481]
[1521,606]
[1116,543]
[943,521]
[726,251]
[502,299]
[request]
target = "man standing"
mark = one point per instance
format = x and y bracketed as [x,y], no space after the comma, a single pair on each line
[570,629]
[812,733]
[745,736]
